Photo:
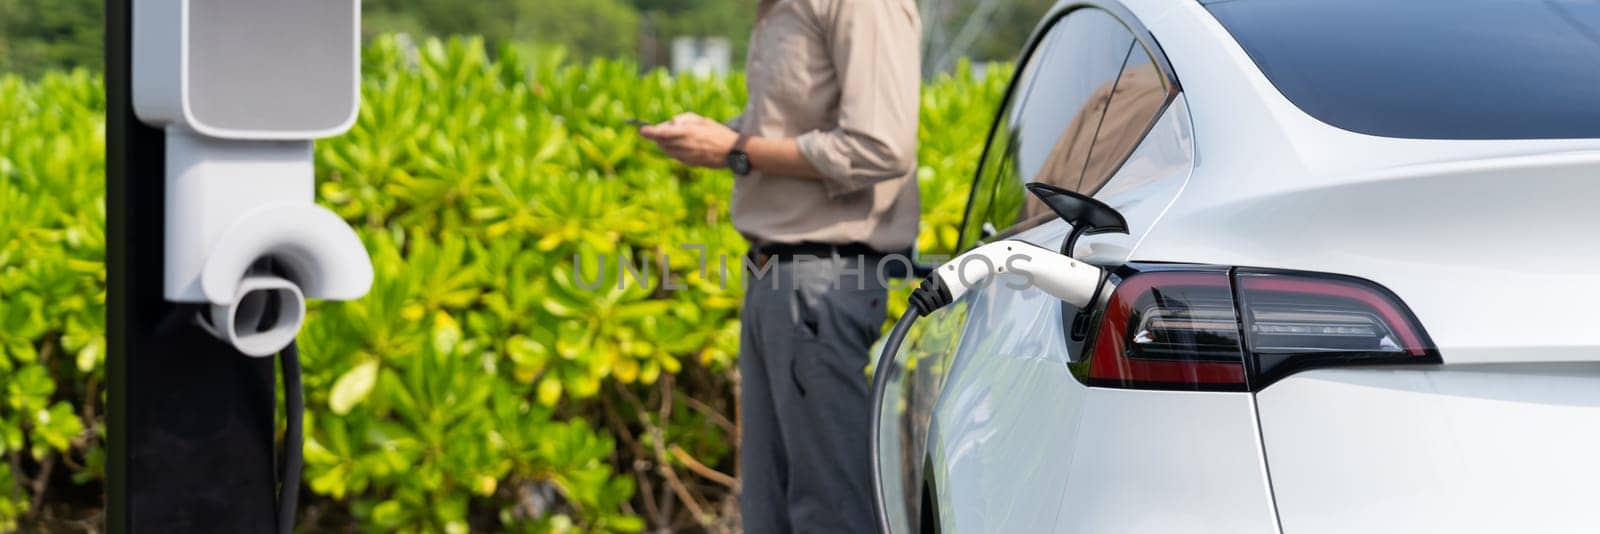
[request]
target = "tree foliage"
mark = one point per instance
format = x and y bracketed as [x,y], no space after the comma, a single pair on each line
[587,28]
[39,35]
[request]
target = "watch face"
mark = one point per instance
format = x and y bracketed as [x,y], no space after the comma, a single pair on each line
[739,162]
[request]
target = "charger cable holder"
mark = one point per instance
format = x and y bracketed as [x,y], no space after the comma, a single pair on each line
[241,90]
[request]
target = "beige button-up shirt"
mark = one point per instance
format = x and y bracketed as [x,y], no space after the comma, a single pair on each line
[842,77]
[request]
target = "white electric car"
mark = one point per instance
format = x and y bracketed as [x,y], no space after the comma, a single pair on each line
[1359,290]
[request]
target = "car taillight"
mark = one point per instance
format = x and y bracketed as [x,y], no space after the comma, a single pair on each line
[1170,330]
[1212,329]
[1294,321]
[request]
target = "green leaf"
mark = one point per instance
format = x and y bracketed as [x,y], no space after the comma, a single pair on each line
[10,435]
[388,514]
[626,524]
[549,390]
[30,390]
[55,427]
[90,356]
[353,387]
[446,333]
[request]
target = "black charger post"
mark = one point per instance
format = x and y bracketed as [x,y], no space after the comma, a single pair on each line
[214,243]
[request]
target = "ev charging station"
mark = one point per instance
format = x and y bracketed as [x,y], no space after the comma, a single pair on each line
[214,241]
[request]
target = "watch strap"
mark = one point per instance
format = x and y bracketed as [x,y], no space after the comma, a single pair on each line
[738,159]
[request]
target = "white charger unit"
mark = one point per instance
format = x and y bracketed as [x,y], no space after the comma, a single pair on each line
[241,88]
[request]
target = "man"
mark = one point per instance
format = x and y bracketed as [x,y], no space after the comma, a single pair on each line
[824,160]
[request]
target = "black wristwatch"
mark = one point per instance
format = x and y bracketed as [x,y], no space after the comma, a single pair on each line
[738,160]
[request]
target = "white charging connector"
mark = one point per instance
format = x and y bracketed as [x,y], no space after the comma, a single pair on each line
[1056,274]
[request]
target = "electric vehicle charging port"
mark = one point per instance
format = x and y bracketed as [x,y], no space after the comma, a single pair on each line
[264,317]
[241,90]
[259,273]
[240,182]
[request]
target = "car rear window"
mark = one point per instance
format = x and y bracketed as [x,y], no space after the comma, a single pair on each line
[1431,69]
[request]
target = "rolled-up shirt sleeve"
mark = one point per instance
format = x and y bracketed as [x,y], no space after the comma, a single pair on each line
[874,47]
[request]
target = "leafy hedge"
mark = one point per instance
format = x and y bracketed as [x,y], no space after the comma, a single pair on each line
[479,386]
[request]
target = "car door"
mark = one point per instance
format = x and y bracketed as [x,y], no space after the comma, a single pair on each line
[1091,110]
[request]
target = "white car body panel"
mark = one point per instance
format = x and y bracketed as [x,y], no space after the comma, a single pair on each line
[1274,187]
[1494,246]
[1103,458]
[1473,448]
[1045,453]
[980,434]
[1167,461]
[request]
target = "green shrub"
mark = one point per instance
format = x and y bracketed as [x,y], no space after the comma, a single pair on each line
[480,385]
[52,284]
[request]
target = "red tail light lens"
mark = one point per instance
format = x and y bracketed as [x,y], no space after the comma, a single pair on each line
[1295,321]
[1205,329]
[1170,330]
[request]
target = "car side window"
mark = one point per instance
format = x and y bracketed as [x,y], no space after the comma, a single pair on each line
[1134,103]
[1090,94]
[997,158]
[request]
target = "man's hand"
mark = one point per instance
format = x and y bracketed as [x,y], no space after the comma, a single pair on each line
[693,140]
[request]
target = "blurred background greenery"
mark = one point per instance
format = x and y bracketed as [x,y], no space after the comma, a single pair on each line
[39,35]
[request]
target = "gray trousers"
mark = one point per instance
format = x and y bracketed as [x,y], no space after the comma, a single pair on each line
[803,351]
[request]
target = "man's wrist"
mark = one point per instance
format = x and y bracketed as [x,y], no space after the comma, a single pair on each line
[738,159]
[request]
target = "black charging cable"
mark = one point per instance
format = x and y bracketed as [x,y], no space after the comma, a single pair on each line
[293,439]
[931,296]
